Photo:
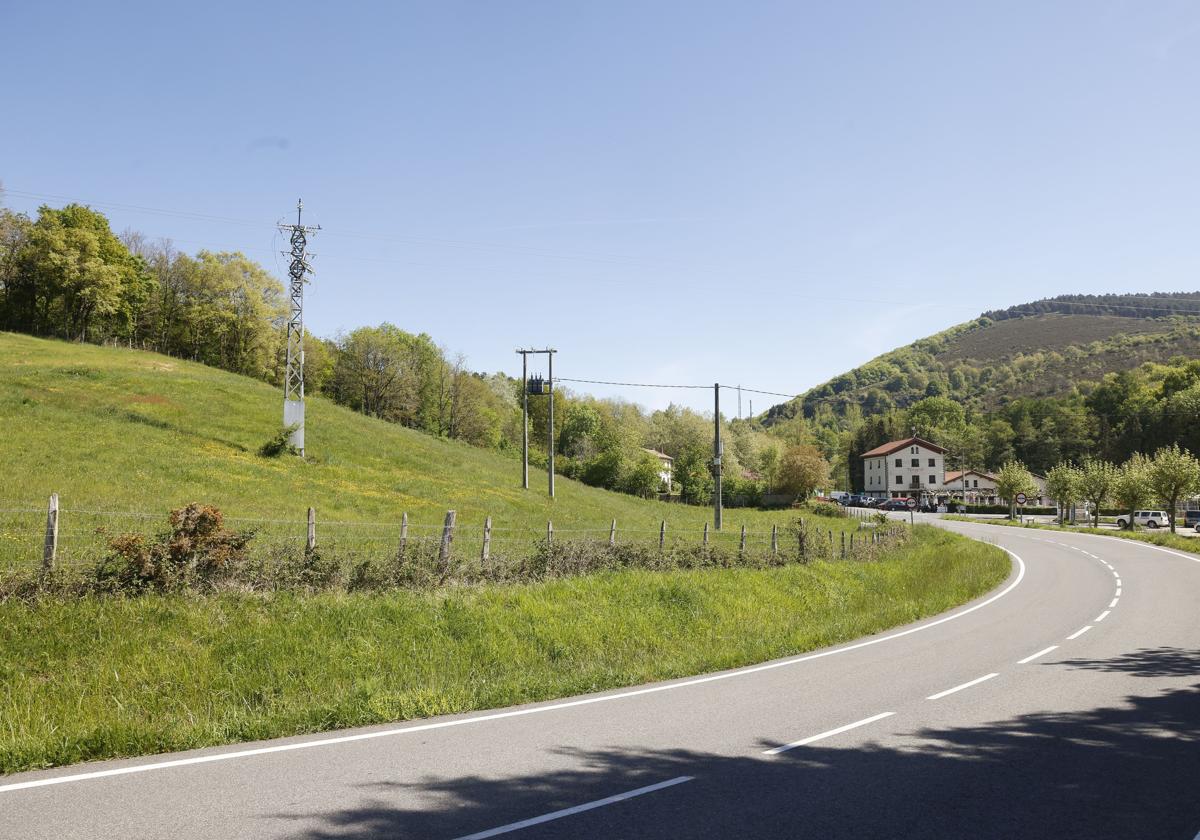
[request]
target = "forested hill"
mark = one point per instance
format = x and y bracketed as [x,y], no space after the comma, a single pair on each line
[1040,349]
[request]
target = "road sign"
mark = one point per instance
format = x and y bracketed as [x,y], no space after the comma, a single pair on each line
[1021,498]
[912,503]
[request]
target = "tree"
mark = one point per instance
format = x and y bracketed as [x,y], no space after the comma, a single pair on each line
[1131,488]
[802,470]
[644,477]
[1174,474]
[1011,479]
[1063,484]
[1096,479]
[934,414]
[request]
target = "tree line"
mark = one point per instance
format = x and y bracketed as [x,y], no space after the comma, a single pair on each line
[66,274]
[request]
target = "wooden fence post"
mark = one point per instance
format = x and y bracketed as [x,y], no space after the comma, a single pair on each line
[851,543]
[742,543]
[843,545]
[403,533]
[50,550]
[662,536]
[310,544]
[487,540]
[447,538]
[612,534]
[549,532]
[704,542]
[774,540]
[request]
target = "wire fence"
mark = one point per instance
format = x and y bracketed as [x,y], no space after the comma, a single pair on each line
[410,552]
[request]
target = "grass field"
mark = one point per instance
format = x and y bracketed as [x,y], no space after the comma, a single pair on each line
[104,677]
[124,435]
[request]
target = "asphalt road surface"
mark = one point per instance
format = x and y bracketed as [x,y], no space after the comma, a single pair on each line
[1066,703]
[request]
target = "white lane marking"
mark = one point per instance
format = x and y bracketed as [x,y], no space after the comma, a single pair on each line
[1113,603]
[1079,633]
[1118,592]
[567,704]
[812,738]
[577,809]
[1118,583]
[949,691]
[1115,573]
[1102,616]
[1036,655]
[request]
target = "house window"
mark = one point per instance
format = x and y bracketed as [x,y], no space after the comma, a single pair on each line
[899,462]
[899,479]
[976,482]
[933,479]
[932,462]
[916,462]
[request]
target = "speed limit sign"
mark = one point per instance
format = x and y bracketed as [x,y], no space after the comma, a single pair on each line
[1021,498]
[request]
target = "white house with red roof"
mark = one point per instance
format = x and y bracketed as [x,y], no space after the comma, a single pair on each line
[910,467]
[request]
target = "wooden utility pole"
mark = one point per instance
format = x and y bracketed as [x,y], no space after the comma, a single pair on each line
[717,456]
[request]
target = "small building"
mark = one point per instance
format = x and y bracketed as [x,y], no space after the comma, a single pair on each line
[909,467]
[974,487]
[666,469]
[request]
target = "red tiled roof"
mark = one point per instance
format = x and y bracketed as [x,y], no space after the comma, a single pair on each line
[889,448]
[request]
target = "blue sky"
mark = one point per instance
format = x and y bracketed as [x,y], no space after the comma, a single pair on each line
[684,192]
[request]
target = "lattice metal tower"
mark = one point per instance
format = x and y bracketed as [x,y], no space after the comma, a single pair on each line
[293,379]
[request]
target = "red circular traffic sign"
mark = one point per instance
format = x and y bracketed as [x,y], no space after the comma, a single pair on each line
[912,503]
[1021,498]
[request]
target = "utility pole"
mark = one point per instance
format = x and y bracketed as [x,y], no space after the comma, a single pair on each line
[539,386]
[717,456]
[550,441]
[524,419]
[293,378]
[739,402]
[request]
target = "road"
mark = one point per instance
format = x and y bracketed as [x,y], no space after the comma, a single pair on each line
[1064,704]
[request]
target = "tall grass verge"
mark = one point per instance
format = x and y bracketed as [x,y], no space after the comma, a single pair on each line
[101,677]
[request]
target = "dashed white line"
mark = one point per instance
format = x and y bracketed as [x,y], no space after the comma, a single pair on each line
[1118,592]
[1118,583]
[813,738]
[1113,603]
[1080,632]
[1102,616]
[949,691]
[1036,655]
[577,809]
[1115,573]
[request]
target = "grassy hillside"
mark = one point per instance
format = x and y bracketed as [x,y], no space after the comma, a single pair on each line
[1041,349]
[124,431]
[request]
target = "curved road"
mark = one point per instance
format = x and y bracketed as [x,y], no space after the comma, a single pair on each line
[1064,704]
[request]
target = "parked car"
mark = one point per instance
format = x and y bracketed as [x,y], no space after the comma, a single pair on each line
[1145,519]
[856,500]
[1191,519]
[894,504]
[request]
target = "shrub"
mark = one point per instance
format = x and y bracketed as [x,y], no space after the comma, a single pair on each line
[197,550]
[827,509]
[280,444]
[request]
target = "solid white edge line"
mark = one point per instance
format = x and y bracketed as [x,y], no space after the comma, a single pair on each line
[567,704]
[1079,632]
[577,809]
[949,691]
[813,738]
[1101,617]
[1036,655]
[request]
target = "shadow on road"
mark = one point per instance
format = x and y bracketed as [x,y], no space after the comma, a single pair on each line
[1130,771]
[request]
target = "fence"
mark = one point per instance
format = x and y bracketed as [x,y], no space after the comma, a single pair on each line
[57,537]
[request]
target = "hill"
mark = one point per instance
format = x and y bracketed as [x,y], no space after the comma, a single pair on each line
[1041,349]
[126,435]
